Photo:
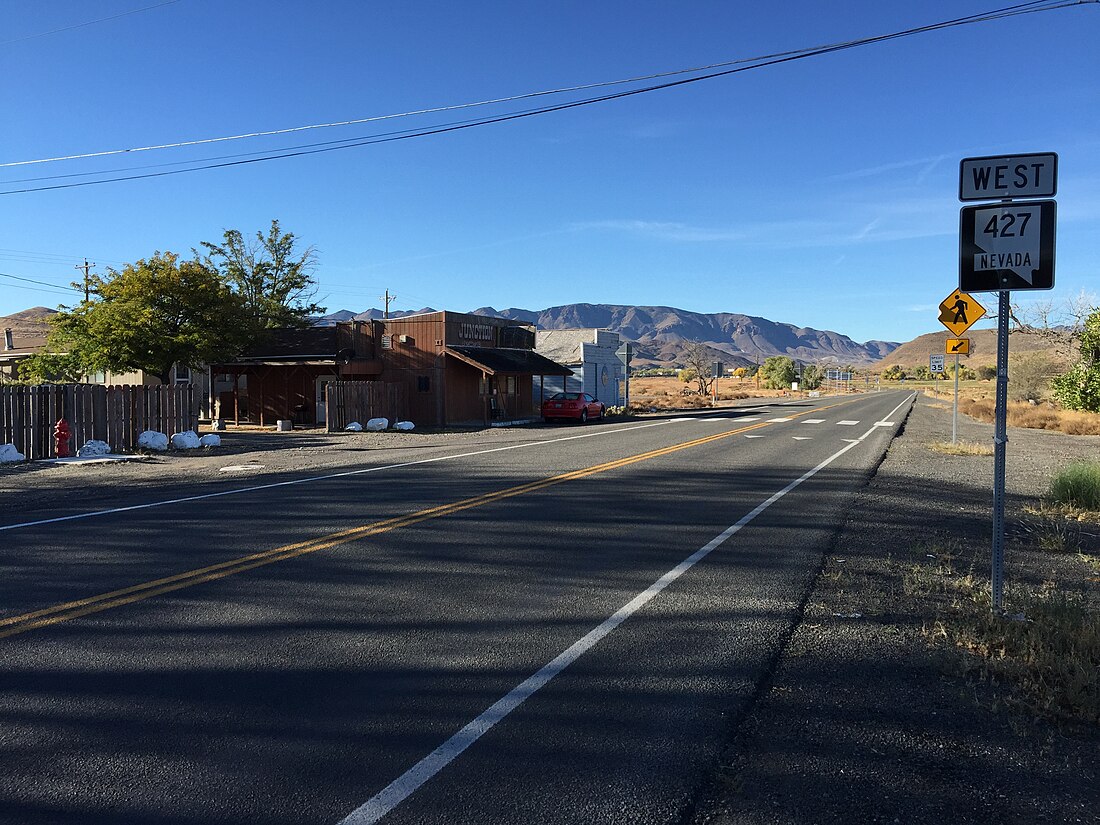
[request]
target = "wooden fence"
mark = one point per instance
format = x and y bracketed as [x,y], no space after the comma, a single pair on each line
[348,401]
[117,415]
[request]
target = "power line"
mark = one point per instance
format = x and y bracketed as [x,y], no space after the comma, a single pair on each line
[1028,7]
[53,287]
[1000,14]
[87,23]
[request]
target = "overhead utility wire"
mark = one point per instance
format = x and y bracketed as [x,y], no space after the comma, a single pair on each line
[87,23]
[53,287]
[1035,5]
[1012,11]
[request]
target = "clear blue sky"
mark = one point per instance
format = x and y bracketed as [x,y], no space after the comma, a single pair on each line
[821,192]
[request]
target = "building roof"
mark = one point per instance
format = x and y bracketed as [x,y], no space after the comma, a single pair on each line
[564,345]
[497,361]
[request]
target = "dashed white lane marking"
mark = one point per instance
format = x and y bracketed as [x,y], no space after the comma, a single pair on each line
[747,419]
[847,423]
[754,436]
[850,440]
[814,421]
[423,771]
[802,437]
[778,420]
[884,423]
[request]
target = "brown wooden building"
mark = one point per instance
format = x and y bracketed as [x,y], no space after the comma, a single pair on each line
[456,369]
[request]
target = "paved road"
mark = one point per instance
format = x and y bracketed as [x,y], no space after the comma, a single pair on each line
[560,630]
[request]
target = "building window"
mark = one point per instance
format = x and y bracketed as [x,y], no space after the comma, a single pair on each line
[510,385]
[183,374]
[423,383]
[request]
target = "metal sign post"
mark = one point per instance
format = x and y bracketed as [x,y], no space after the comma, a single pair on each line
[1000,439]
[955,412]
[625,354]
[1003,247]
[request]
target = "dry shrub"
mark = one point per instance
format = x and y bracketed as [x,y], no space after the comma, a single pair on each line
[1034,417]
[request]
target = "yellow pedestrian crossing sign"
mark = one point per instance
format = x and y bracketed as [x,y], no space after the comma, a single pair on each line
[957,346]
[958,311]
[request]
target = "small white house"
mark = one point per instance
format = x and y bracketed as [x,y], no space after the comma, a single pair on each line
[590,353]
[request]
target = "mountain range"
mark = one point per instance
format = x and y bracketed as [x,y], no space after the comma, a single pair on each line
[660,333]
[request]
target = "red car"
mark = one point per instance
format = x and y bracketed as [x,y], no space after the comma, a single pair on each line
[579,406]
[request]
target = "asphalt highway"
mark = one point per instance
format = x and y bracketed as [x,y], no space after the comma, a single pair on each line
[559,630]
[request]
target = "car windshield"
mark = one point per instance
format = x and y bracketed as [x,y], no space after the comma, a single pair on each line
[565,396]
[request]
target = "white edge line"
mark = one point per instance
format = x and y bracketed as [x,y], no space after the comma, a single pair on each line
[419,774]
[328,477]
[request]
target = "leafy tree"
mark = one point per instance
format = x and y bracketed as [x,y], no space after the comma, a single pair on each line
[273,275]
[1079,388]
[741,372]
[687,375]
[987,373]
[922,373]
[895,372]
[778,372]
[812,376]
[147,316]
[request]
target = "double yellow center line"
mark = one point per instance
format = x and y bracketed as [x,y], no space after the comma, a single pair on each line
[59,613]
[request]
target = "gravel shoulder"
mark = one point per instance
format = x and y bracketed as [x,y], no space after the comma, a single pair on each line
[865,718]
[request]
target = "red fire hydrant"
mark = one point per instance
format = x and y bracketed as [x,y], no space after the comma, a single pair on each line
[62,434]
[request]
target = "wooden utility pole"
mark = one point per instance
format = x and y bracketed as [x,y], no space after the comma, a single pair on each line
[86,267]
[387,298]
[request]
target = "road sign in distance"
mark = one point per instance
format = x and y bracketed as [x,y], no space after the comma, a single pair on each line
[959,311]
[717,369]
[1008,176]
[935,363]
[958,346]
[625,354]
[1007,246]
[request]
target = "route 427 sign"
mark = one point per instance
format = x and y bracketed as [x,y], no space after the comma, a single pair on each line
[1007,246]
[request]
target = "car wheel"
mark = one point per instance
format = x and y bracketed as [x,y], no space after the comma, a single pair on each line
[603,409]
[584,416]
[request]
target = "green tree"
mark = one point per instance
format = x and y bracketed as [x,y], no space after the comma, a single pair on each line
[894,372]
[272,273]
[812,376]
[147,316]
[987,372]
[922,373]
[1079,388]
[778,372]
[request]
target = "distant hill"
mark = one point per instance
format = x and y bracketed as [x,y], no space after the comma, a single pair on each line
[29,327]
[660,333]
[983,348]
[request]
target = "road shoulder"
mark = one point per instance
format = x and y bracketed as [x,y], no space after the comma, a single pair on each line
[865,718]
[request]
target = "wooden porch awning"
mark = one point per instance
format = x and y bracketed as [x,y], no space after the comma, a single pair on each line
[495,361]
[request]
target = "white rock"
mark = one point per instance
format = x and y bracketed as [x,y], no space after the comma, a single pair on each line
[152,440]
[94,448]
[376,425]
[188,440]
[404,426]
[354,427]
[210,440]
[9,455]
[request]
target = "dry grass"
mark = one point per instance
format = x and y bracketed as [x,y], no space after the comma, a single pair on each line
[1044,650]
[960,448]
[1036,417]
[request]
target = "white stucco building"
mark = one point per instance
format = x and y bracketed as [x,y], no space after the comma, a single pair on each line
[590,353]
